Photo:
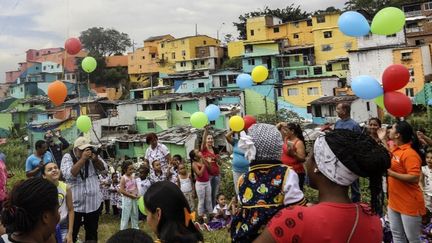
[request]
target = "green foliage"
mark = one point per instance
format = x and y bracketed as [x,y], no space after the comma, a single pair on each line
[234,63]
[110,77]
[283,115]
[101,42]
[289,13]
[16,153]
[371,7]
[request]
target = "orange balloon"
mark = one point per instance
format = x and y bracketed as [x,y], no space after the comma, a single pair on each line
[57,92]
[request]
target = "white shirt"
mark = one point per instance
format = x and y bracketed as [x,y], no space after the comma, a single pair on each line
[159,153]
[427,175]
[143,185]
[224,209]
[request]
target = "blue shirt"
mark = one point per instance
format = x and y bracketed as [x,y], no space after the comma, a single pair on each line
[348,124]
[33,161]
[239,163]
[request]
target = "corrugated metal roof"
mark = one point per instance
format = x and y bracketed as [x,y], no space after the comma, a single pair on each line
[334,99]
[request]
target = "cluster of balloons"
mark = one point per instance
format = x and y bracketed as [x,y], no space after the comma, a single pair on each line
[259,74]
[387,21]
[73,47]
[395,77]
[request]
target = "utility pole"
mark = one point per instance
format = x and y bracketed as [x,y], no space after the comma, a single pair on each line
[196,29]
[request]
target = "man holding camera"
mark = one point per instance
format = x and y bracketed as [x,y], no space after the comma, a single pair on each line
[36,161]
[80,169]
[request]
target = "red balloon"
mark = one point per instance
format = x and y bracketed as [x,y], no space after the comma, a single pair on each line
[73,46]
[395,77]
[249,121]
[397,104]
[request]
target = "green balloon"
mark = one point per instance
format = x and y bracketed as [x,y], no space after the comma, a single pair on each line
[388,21]
[141,206]
[199,119]
[84,123]
[380,101]
[88,64]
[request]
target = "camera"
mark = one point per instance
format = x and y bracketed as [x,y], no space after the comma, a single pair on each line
[96,150]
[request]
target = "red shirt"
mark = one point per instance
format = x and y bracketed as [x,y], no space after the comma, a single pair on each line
[325,222]
[290,161]
[213,164]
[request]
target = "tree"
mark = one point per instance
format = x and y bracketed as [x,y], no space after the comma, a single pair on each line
[331,9]
[100,42]
[371,7]
[234,63]
[228,38]
[282,115]
[289,13]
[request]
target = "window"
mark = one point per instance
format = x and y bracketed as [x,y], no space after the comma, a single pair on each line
[409,92]
[295,36]
[296,58]
[251,62]
[162,45]
[182,42]
[143,57]
[173,55]
[231,79]
[248,48]
[183,53]
[140,66]
[419,42]
[163,56]
[302,72]
[367,106]
[182,64]
[58,65]
[205,42]
[428,6]
[345,66]
[132,57]
[151,125]
[296,24]
[411,72]
[321,19]
[73,76]
[318,70]
[287,73]
[309,22]
[327,47]
[153,55]
[202,62]
[276,30]
[312,91]
[329,67]
[292,92]
[200,85]
[179,107]
[123,145]
[184,85]
[44,68]
[37,54]
[391,36]
[327,34]
[406,55]
[252,32]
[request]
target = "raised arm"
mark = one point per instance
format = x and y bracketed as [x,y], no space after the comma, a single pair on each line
[204,138]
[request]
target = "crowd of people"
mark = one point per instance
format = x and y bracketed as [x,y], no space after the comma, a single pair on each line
[271,165]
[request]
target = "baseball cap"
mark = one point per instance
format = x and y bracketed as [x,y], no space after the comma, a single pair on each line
[82,143]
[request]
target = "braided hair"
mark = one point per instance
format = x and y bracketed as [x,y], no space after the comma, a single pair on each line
[26,204]
[362,155]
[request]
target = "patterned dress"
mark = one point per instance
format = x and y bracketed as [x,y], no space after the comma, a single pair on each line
[105,182]
[115,195]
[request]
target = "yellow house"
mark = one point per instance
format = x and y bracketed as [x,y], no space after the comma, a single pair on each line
[236,49]
[329,42]
[298,33]
[301,92]
[256,27]
[144,61]
[418,61]
[174,50]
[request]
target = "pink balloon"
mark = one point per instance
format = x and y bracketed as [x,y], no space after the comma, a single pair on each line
[397,104]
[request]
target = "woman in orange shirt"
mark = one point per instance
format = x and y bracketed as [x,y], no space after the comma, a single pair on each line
[405,198]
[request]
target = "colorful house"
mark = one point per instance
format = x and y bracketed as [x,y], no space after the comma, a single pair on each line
[418,61]
[206,58]
[195,85]
[330,43]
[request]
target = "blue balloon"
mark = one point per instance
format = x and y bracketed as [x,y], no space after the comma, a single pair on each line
[212,112]
[354,24]
[244,81]
[429,102]
[366,87]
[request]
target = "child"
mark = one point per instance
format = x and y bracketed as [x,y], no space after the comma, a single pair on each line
[222,215]
[269,185]
[157,174]
[143,181]
[233,206]
[130,236]
[51,172]
[202,185]
[114,194]
[426,180]
[169,215]
[186,185]
[129,190]
[105,182]
[172,173]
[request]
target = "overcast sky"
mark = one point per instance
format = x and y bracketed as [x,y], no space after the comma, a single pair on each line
[36,24]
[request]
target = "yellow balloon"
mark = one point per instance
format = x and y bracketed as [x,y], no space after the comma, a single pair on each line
[236,123]
[259,74]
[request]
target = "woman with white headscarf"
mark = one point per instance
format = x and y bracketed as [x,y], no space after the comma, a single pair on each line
[340,157]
